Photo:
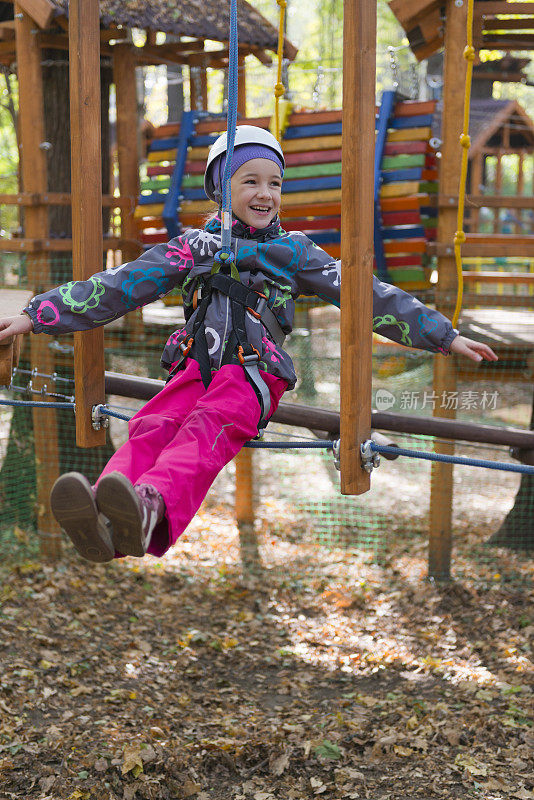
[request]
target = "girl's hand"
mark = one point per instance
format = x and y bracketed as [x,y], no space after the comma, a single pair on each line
[11,326]
[476,351]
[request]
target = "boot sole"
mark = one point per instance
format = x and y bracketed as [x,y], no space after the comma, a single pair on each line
[117,499]
[74,507]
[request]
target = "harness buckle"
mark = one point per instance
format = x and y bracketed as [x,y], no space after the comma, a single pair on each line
[251,358]
[260,306]
[185,348]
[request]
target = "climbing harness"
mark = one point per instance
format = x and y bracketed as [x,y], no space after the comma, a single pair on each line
[242,300]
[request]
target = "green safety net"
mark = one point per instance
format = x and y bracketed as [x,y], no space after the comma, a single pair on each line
[298,497]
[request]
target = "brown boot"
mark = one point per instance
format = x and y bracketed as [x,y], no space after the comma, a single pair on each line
[134,512]
[72,500]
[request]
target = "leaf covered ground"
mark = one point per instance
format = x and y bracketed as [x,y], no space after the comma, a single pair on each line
[327,675]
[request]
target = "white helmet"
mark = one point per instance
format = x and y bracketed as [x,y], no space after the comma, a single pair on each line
[244,134]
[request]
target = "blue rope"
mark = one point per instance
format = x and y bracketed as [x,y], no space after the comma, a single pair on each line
[317,444]
[230,131]
[35,404]
[469,462]
[105,410]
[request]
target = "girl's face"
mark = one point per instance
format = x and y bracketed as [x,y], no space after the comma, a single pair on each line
[256,192]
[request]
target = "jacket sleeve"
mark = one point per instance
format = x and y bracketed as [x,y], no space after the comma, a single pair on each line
[404,319]
[108,295]
[396,314]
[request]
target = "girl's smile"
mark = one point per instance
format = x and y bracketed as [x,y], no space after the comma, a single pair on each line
[256,192]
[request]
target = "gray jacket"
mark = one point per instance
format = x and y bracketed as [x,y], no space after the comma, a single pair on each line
[279,264]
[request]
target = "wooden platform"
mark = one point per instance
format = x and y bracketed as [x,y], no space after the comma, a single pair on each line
[498,327]
[12,301]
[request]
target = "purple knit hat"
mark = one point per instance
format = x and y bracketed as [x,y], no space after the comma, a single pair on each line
[242,154]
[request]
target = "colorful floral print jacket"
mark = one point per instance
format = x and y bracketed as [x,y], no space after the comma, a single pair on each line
[279,264]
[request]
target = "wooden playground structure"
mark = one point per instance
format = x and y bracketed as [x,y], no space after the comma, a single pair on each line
[341,217]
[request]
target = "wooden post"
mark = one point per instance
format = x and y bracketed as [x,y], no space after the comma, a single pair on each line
[128,162]
[476,180]
[34,179]
[441,492]
[520,188]
[244,509]
[241,86]
[84,59]
[498,191]
[198,83]
[359,71]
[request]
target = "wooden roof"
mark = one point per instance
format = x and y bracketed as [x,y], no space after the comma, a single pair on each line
[201,19]
[493,123]
[423,23]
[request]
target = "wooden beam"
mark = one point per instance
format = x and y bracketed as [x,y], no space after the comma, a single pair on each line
[84,60]
[441,493]
[34,179]
[494,7]
[27,245]
[407,13]
[359,69]
[489,245]
[521,24]
[61,199]
[508,41]
[58,41]
[498,277]
[41,11]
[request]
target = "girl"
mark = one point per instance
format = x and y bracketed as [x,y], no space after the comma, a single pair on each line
[227,368]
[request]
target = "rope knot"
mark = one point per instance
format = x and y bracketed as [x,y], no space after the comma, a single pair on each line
[459,237]
[469,53]
[282,3]
[465,140]
[279,90]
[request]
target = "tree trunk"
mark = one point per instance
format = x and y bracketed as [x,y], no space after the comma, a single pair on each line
[517,530]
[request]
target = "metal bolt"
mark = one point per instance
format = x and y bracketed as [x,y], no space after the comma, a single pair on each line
[458,3]
[19,16]
[45,146]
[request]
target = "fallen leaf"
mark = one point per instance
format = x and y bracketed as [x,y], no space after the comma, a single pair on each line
[279,764]
[132,759]
[471,766]
[190,788]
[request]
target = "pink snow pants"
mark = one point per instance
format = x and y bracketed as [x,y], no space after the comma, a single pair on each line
[182,438]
